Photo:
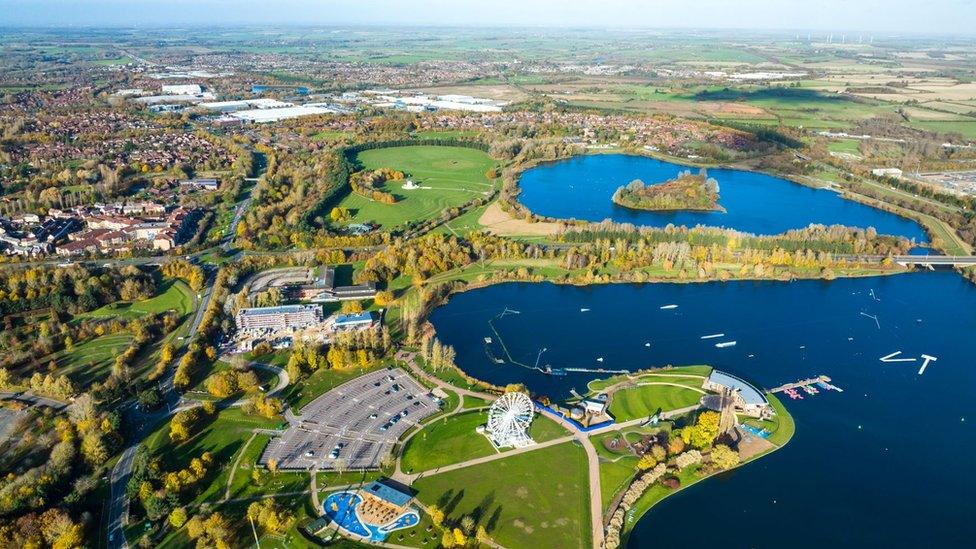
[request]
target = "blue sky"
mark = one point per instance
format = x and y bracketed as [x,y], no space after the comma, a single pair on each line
[900,16]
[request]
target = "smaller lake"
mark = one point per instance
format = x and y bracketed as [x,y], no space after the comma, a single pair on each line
[581,188]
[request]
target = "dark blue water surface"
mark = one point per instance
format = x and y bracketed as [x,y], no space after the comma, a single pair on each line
[886,463]
[582,187]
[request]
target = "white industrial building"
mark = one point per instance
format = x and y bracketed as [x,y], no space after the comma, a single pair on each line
[234,106]
[181,89]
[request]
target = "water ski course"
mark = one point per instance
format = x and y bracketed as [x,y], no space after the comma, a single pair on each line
[546,368]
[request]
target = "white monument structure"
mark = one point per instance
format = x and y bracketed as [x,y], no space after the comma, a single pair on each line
[508,421]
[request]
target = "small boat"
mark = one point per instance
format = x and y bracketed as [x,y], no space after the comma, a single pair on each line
[712,336]
[666,307]
[725,344]
[488,340]
[584,310]
[600,359]
[647,344]
[809,390]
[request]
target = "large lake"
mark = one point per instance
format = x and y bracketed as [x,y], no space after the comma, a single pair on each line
[888,462]
[581,188]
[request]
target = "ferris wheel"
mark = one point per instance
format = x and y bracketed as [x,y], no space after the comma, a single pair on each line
[508,420]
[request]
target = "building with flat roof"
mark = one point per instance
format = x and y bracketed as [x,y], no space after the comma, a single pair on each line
[385,491]
[283,317]
[358,320]
[747,399]
[323,288]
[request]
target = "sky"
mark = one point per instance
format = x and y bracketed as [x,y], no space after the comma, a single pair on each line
[894,16]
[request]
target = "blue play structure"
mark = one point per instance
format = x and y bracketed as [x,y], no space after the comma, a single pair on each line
[341,508]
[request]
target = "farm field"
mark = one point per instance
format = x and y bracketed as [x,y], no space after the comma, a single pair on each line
[518,504]
[448,177]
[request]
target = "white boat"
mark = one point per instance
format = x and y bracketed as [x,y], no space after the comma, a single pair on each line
[712,336]
[725,344]
[600,359]
[647,344]
[664,307]
[584,310]
[488,340]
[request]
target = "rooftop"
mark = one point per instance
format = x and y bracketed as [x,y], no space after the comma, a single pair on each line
[280,309]
[749,394]
[388,493]
[364,316]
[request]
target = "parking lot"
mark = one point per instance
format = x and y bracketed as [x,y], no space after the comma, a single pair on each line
[353,426]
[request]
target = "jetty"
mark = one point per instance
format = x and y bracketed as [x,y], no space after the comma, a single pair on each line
[596,370]
[821,381]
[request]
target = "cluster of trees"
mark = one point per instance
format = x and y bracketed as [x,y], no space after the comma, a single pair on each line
[263,406]
[71,290]
[228,382]
[437,355]
[659,464]
[459,533]
[270,516]
[685,192]
[47,492]
[368,182]
[836,239]
[185,421]
[192,274]
[211,530]
[175,482]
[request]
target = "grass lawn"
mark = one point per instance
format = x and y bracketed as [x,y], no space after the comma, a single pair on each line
[93,359]
[663,374]
[535,499]
[297,395]
[223,436]
[781,426]
[471,402]
[455,175]
[647,400]
[449,440]
[172,295]
[453,439]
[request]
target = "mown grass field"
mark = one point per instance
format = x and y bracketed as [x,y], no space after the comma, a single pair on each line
[454,175]
[92,360]
[535,499]
[172,295]
[647,400]
[453,439]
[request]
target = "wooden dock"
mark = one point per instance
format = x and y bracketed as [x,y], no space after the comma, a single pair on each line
[805,382]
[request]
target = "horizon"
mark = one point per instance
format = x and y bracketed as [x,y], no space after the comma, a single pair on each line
[942,18]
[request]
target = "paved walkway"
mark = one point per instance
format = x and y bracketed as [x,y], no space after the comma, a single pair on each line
[592,458]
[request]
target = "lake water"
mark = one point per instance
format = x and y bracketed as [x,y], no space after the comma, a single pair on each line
[885,463]
[582,187]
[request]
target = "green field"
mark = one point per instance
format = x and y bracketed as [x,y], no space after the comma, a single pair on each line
[93,359]
[781,426]
[172,295]
[453,439]
[449,440]
[297,395]
[647,400]
[455,175]
[535,499]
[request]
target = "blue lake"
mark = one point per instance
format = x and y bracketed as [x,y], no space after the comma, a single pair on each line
[581,188]
[885,463]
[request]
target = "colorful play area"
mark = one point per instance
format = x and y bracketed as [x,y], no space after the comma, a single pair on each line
[371,512]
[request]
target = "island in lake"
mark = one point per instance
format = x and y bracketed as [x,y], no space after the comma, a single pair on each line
[688,191]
